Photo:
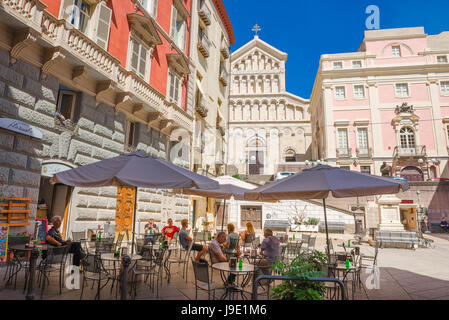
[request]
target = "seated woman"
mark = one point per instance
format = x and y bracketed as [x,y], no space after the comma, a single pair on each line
[249,230]
[231,236]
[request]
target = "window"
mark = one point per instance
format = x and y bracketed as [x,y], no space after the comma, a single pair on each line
[342,139]
[131,134]
[340,93]
[444,88]
[362,141]
[138,58]
[150,6]
[359,92]
[396,51]
[402,90]
[356,64]
[442,59]
[365,169]
[338,65]
[178,28]
[66,104]
[407,136]
[174,88]
[92,20]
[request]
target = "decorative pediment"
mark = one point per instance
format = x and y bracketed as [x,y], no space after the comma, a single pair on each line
[263,47]
[145,27]
[405,115]
[404,108]
[178,63]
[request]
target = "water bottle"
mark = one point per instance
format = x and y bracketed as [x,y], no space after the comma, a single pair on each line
[349,243]
[293,237]
[118,253]
[240,264]
[347,264]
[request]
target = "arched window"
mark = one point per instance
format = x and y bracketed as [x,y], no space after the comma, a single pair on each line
[290,155]
[407,136]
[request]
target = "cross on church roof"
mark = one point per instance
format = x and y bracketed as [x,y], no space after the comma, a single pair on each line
[256,28]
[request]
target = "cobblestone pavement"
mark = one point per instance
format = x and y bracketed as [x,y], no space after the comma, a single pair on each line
[404,275]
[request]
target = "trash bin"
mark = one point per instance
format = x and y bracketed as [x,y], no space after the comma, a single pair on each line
[358,226]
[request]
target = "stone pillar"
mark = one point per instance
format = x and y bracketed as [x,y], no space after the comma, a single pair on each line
[389,213]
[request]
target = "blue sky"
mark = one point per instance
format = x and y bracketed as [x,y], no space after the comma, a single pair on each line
[305,29]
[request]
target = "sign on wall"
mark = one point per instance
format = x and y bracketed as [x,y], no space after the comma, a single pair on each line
[20,127]
[3,242]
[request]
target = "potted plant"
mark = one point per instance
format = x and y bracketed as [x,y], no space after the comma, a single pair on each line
[310,225]
[304,267]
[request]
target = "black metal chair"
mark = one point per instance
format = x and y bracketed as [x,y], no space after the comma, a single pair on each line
[93,271]
[77,236]
[54,261]
[202,279]
[19,260]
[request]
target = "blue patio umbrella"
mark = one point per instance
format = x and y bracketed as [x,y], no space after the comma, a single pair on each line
[319,181]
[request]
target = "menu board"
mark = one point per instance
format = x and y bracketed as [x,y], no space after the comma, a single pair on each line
[41,230]
[3,242]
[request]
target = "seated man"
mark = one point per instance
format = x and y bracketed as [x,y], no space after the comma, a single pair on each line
[270,248]
[218,254]
[150,229]
[169,230]
[444,224]
[185,240]
[54,238]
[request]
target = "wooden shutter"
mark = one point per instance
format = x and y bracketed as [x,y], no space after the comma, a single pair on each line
[66,10]
[103,25]
[143,60]
[134,55]
[182,38]
[176,96]
[174,14]
[171,84]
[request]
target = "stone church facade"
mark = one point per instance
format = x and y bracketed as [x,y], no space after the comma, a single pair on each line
[268,126]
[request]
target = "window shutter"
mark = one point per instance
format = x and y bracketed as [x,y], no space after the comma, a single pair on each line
[173,22]
[143,60]
[66,10]
[176,97]
[154,9]
[171,93]
[135,55]
[103,25]
[182,38]
[136,134]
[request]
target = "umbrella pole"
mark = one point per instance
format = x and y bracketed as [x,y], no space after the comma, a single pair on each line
[222,218]
[134,219]
[327,233]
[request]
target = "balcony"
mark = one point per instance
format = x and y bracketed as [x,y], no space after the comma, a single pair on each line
[204,12]
[343,153]
[224,49]
[417,151]
[224,77]
[204,44]
[364,153]
[201,108]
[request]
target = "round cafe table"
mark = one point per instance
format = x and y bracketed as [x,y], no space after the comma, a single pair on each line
[224,268]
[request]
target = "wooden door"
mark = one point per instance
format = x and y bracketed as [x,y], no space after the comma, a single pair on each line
[255,166]
[219,210]
[125,209]
[251,214]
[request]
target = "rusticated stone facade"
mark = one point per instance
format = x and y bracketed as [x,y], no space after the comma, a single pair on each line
[98,133]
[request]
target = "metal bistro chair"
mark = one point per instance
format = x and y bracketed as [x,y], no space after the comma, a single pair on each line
[182,260]
[54,261]
[292,251]
[311,244]
[18,261]
[143,267]
[93,271]
[77,236]
[202,279]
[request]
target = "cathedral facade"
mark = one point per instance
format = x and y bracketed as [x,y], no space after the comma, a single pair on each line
[267,125]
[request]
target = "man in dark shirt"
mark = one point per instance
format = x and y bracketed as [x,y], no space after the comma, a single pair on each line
[54,238]
[185,240]
[150,229]
[444,224]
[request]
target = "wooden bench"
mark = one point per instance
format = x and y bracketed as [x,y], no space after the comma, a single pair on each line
[435,227]
[277,225]
[397,239]
[333,227]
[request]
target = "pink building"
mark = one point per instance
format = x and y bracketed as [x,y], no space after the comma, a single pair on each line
[386,103]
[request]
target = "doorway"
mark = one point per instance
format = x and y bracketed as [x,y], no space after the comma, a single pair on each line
[251,214]
[255,162]
[409,219]
[412,174]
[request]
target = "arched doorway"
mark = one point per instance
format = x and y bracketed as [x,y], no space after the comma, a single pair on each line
[412,174]
[256,156]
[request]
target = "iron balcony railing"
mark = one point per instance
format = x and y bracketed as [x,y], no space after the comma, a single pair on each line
[204,44]
[406,152]
[364,152]
[344,152]
[204,12]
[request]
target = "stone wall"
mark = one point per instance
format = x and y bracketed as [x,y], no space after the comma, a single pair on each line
[99,133]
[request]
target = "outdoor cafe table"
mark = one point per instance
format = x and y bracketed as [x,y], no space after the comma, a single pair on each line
[341,268]
[224,268]
[23,248]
